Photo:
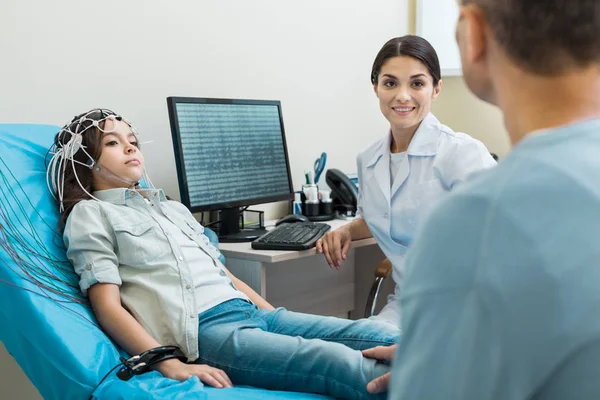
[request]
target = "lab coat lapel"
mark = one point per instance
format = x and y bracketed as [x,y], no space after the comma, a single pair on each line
[423,144]
[401,176]
[380,165]
[382,174]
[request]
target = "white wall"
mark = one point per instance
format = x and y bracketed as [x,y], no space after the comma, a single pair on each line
[60,58]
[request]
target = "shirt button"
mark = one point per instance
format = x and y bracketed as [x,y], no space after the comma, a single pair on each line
[88,267]
[190,234]
[192,316]
[132,192]
[188,287]
[166,233]
[180,258]
[385,216]
[154,194]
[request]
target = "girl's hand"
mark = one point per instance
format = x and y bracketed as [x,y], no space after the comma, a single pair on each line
[177,370]
[335,246]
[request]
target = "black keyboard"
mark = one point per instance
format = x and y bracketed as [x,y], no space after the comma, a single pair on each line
[291,236]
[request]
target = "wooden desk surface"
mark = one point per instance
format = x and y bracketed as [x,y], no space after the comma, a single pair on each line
[244,250]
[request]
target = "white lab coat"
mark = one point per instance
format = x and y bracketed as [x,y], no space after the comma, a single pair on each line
[437,160]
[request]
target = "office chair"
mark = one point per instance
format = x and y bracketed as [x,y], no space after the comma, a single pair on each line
[383,271]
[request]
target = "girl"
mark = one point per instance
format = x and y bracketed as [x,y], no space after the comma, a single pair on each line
[154,279]
[403,174]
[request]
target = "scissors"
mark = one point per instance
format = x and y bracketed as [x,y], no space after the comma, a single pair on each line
[320,166]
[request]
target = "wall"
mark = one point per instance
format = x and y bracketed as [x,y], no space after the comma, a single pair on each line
[62,58]
[458,108]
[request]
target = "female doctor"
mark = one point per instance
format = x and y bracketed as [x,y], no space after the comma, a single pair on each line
[404,173]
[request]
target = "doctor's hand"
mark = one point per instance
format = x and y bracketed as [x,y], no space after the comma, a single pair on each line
[177,370]
[384,353]
[335,246]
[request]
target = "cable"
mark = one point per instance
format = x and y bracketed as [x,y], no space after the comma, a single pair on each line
[212,224]
[102,380]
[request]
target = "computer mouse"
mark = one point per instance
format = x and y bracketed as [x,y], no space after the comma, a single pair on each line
[292,218]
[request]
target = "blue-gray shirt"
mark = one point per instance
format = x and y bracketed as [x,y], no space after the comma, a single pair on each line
[502,291]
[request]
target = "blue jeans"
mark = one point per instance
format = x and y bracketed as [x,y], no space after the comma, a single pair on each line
[284,350]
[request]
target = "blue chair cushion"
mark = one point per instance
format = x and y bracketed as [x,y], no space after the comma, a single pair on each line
[58,344]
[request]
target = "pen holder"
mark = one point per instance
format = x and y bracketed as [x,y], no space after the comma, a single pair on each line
[326,207]
[310,191]
[311,208]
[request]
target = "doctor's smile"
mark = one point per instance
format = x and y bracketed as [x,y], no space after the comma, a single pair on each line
[402,111]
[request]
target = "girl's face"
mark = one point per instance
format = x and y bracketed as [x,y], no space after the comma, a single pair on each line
[405,90]
[121,163]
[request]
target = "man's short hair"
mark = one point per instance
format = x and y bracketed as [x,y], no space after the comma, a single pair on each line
[546,37]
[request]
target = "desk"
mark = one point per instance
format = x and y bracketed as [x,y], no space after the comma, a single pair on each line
[302,280]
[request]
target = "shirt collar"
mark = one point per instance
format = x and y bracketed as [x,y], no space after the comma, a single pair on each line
[121,195]
[424,142]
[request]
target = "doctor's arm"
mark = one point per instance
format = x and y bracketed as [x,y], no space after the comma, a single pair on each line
[461,161]
[336,244]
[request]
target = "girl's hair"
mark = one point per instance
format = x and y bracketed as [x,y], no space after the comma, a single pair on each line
[77,182]
[411,46]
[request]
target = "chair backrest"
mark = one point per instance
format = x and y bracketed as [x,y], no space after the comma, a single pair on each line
[58,344]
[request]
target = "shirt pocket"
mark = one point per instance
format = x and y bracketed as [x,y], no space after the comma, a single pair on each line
[140,243]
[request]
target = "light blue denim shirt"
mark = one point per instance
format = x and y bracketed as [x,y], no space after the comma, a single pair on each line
[502,292]
[118,240]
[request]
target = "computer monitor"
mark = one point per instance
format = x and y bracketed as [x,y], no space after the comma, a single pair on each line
[229,154]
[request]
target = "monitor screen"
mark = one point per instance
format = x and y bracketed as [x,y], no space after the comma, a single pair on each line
[229,153]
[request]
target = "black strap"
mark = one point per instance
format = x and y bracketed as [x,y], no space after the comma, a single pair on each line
[140,364]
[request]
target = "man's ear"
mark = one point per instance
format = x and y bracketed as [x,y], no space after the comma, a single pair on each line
[471,31]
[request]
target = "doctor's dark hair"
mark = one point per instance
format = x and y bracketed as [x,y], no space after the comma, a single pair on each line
[545,37]
[411,46]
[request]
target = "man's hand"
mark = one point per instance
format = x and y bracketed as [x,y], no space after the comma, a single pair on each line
[384,353]
[177,370]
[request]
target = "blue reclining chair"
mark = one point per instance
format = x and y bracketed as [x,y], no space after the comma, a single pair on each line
[58,344]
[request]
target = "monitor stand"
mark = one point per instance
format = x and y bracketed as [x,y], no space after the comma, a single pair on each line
[229,227]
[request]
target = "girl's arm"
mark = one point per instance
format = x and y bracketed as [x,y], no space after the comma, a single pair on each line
[120,325]
[247,290]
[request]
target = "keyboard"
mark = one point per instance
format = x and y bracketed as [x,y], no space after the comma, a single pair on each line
[291,236]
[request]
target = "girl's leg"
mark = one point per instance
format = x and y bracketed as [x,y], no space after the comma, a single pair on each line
[234,337]
[359,335]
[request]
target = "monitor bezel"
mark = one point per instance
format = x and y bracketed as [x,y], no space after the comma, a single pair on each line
[180,165]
